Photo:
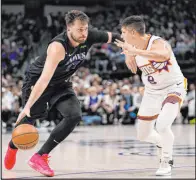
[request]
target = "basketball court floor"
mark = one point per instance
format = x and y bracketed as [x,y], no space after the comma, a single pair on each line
[107,152]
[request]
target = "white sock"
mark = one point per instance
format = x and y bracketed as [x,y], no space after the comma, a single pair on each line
[167,142]
[163,127]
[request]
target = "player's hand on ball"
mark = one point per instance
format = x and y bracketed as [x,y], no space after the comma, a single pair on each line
[24,112]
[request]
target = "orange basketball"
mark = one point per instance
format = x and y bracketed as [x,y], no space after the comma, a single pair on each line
[25,136]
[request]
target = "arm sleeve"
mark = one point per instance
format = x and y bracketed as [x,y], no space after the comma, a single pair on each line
[116,36]
[97,36]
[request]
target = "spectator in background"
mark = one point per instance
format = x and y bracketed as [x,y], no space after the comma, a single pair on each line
[191,102]
[184,110]
[92,102]
[110,105]
[136,80]
[8,102]
[127,109]
[137,94]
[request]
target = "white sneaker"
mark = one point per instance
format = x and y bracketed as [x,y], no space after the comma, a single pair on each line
[165,168]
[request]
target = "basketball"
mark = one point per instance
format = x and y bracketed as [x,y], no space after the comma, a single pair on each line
[25,136]
[159,65]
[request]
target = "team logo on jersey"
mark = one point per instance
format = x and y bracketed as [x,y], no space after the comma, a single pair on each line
[75,60]
[83,46]
[160,66]
[147,69]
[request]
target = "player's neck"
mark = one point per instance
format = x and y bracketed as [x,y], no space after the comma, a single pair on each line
[142,43]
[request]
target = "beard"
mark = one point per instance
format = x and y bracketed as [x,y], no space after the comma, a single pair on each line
[76,39]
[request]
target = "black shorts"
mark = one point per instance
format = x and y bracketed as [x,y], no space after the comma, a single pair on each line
[47,100]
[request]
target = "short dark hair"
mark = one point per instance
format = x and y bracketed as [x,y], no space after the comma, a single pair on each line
[73,15]
[135,22]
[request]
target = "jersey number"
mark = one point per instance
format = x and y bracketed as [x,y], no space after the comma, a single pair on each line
[151,80]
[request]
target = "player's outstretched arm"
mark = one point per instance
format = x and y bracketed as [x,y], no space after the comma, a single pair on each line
[55,54]
[98,36]
[160,50]
[113,36]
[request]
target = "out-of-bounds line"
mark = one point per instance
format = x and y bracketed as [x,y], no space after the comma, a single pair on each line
[105,171]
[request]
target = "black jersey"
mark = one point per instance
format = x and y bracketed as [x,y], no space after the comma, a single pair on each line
[73,59]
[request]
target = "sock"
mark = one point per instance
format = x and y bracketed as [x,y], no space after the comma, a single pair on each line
[50,144]
[11,144]
[167,141]
[163,126]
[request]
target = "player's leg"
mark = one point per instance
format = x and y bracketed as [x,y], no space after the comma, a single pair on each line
[69,107]
[38,110]
[71,112]
[170,109]
[147,115]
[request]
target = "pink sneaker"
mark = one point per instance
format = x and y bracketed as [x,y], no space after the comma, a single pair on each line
[10,158]
[40,164]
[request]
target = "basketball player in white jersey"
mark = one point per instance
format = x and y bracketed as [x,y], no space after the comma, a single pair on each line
[165,86]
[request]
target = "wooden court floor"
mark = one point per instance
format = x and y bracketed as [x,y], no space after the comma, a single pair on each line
[107,152]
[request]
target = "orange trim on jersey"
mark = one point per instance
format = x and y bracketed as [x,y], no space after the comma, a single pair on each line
[147,118]
[144,65]
[185,84]
[179,99]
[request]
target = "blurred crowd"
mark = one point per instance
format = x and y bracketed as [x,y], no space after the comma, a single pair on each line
[172,20]
[104,99]
[19,35]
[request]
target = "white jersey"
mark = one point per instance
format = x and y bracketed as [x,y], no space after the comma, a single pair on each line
[159,75]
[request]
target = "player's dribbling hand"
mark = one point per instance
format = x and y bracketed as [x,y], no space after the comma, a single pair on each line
[127,48]
[129,58]
[24,112]
[131,63]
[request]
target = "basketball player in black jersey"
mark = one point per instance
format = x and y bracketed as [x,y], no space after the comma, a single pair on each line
[47,82]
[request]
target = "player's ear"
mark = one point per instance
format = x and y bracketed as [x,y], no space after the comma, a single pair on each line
[133,32]
[68,27]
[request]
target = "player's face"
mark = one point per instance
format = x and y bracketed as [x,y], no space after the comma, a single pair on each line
[79,31]
[128,35]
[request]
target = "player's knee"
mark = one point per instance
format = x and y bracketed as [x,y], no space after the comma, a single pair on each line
[73,115]
[76,118]
[171,100]
[160,128]
[66,127]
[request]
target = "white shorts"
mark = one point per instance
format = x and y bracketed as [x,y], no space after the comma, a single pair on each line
[152,100]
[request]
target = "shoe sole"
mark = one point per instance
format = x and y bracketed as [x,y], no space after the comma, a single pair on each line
[38,170]
[6,165]
[167,174]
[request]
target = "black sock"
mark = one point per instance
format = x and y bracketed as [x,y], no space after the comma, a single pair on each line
[48,146]
[11,144]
